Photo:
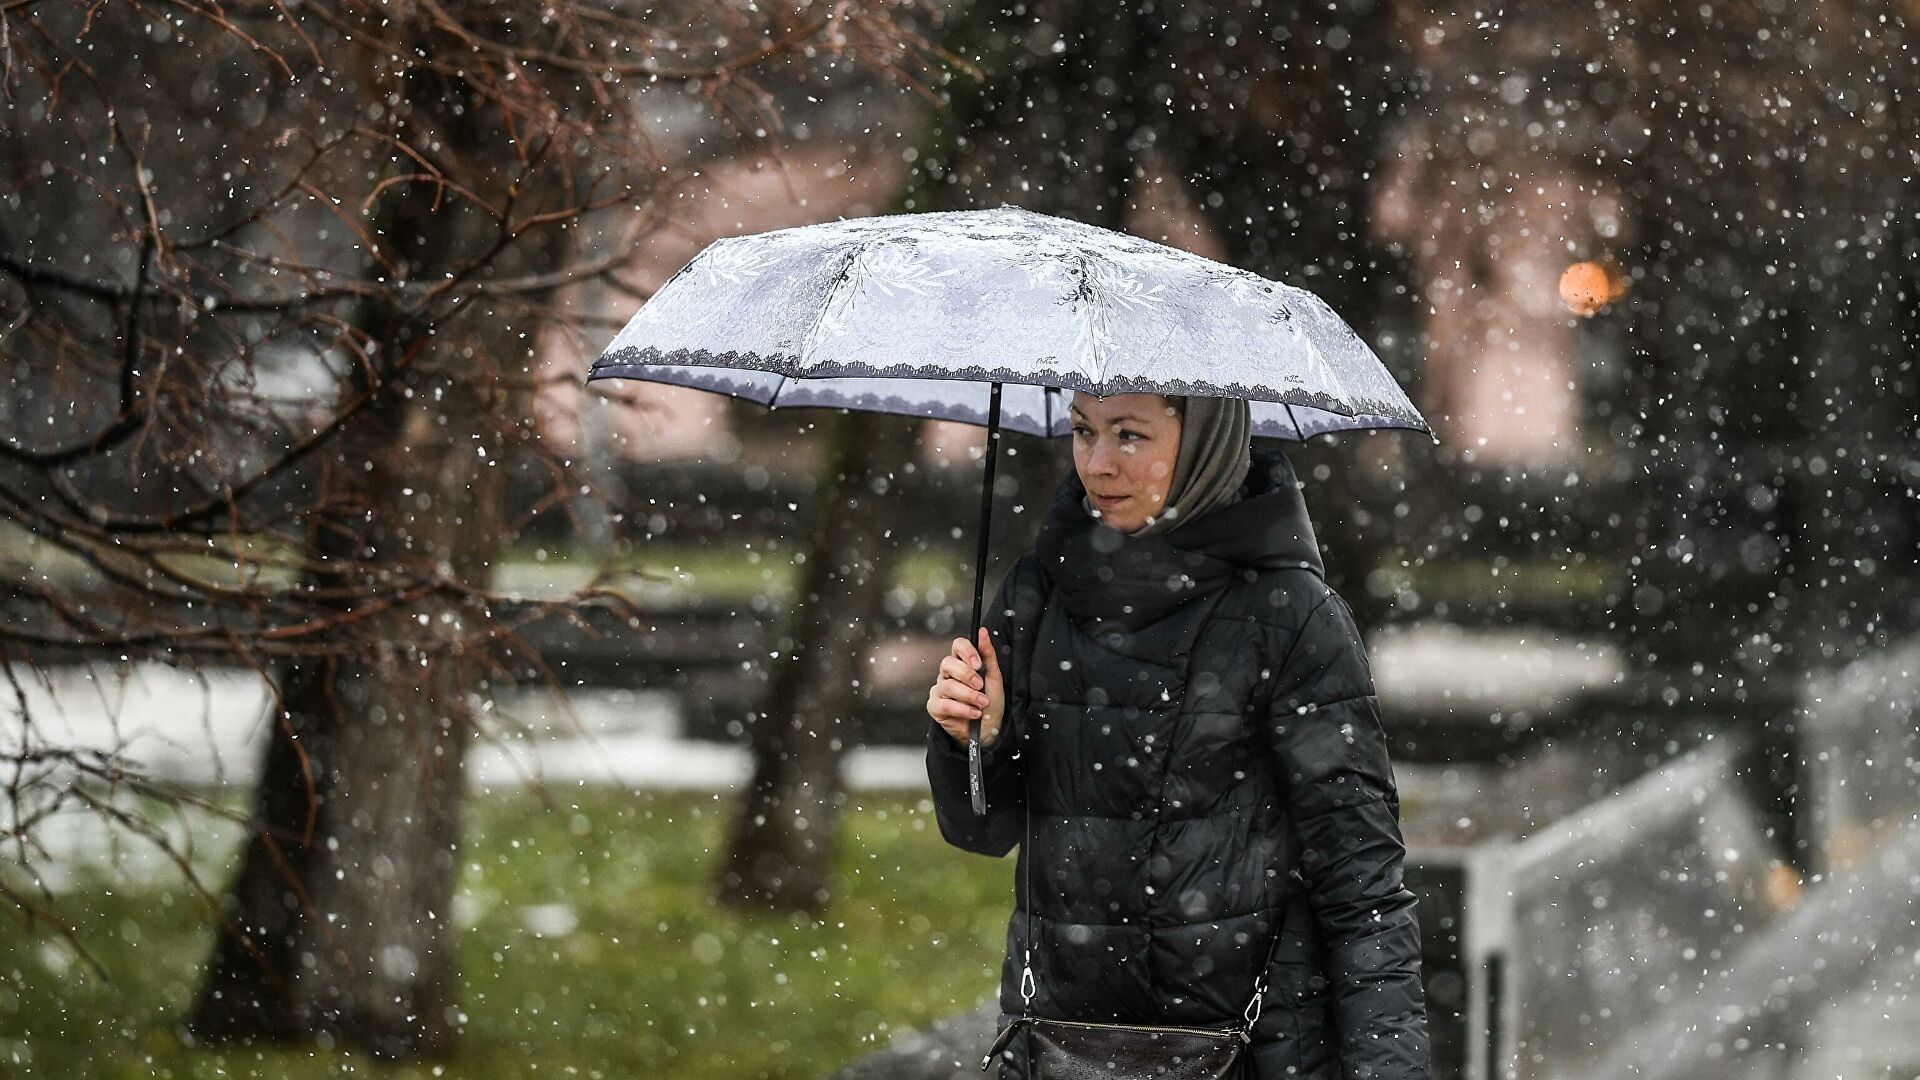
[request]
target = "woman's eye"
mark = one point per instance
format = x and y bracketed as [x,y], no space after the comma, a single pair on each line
[1081,431]
[1131,435]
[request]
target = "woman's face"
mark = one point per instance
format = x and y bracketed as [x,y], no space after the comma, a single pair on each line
[1124,448]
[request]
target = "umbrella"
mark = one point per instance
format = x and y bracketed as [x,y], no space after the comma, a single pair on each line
[993,317]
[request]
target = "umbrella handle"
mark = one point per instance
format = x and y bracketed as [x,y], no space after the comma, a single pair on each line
[976,769]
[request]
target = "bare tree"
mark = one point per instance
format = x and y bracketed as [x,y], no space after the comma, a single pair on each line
[782,844]
[982,149]
[269,279]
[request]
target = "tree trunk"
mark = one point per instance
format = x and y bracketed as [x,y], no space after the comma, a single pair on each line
[1032,135]
[338,923]
[339,918]
[1280,150]
[781,851]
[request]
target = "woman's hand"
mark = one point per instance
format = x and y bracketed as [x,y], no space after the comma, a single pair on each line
[961,694]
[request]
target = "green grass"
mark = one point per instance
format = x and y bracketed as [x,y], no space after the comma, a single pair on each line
[1544,582]
[654,980]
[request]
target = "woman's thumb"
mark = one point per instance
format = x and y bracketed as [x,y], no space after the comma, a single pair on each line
[987,654]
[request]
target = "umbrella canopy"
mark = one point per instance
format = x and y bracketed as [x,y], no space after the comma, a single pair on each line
[992,317]
[919,314]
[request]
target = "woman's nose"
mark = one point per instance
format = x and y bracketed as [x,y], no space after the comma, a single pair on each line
[1102,460]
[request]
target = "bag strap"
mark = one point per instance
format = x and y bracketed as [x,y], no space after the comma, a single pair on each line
[1251,1014]
[1026,886]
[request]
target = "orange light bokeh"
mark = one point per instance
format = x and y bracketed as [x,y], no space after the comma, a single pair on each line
[1586,287]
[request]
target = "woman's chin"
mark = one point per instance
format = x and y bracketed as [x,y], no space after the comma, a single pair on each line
[1121,519]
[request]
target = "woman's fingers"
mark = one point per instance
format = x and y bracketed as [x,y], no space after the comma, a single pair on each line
[966,653]
[977,659]
[949,707]
[959,688]
[952,714]
[963,694]
[952,667]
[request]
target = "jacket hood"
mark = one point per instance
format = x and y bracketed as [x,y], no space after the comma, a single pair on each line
[1109,577]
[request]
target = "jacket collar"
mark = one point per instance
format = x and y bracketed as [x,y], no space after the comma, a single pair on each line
[1112,580]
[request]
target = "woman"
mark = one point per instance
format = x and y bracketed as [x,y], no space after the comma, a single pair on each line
[1187,712]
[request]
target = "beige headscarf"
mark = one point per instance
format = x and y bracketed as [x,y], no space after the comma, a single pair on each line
[1216,447]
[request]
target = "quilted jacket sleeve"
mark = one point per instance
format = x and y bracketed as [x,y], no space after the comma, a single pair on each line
[1011,619]
[1324,728]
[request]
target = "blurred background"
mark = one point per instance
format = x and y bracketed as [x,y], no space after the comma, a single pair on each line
[381,700]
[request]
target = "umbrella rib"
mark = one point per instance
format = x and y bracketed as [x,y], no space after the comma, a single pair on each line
[773,399]
[839,281]
[1335,379]
[1095,365]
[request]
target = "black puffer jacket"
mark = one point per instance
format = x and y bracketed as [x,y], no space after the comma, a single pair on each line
[1194,721]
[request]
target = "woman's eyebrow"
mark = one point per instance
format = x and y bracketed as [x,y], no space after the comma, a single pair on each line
[1121,419]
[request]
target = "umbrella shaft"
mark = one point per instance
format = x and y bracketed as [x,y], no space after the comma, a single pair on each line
[976,778]
[986,511]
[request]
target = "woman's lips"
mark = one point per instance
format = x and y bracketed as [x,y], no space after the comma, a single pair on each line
[1109,500]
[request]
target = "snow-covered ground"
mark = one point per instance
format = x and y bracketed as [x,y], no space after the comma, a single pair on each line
[209,729]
